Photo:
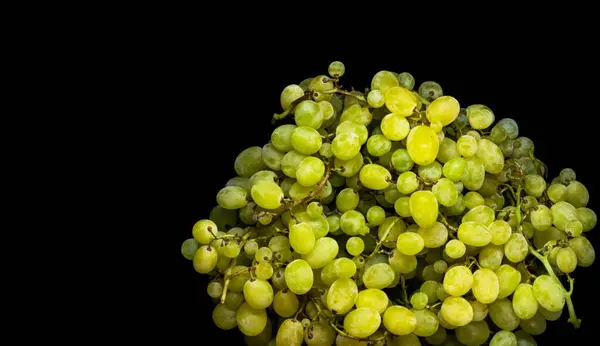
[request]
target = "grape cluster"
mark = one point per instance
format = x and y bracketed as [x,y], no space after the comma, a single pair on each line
[394,217]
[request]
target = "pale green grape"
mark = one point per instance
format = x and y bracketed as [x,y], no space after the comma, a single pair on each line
[430,90]
[241,182]
[524,339]
[308,113]
[562,214]
[481,214]
[480,116]
[272,157]
[205,259]
[372,298]
[480,310]
[394,127]
[440,266]
[375,98]
[240,275]
[434,236]
[399,320]
[220,217]
[431,172]
[285,303]
[325,150]
[258,293]
[263,338]
[510,126]
[402,206]
[504,338]
[402,263]
[350,167]
[500,231]
[503,315]
[232,249]
[290,162]
[278,279]
[485,286]
[355,246]
[445,192]
[306,140]
[458,281]
[457,311]
[422,145]
[574,228]
[491,256]
[290,333]
[406,80]
[410,243]
[541,217]
[215,289]
[384,80]
[249,161]
[267,194]
[328,111]
[352,127]
[423,208]
[427,322]
[400,101]
[378,145]
[490,155]
[319,334]
[429,274]
[357,114]
[336,69]
[344,268]
[507,147]
[549,293]
[447,150]
[577,194]
[419,300]
[567,175]
[362,322]
[535,185]
[524,302]
[379,276]
[454,169]
[224,317]
[498,134]
[232,197]
[475,333]
[352,222]
[508,278]
[345,146]
[474,174]
[375,177]
[324,251]
[375,216]
[264,271]
[407,182]
[251,321]
[444,109]
[299,276]
[290,94]
[298,192]
[516,248]
[341,296]
[314,209]
[189,248]
[302,238]
[474,233]
[310,171]
[455,249]
[584,250]
[401,161]
[535,325]
[466,146]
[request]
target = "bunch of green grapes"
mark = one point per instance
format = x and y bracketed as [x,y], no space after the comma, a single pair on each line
[394,216]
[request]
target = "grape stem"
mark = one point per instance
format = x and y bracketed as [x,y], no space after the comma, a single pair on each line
[301,307]
[227,280]
[343,333]
[445,222]
[380,242]
[347,93]
[291,109]
[404,294]
[544,259]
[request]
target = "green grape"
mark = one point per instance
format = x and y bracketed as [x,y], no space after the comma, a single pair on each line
[516,248]
[485,286]
[352,223]
[394,127]
[379,276]
[427,323]
[336,69]
[359,261]
[324,251]
[534,185]
[314,209]
[308,113]
[383,81]
[491,156]
[290,333]
[362,322]
[345,146]
[406,80]
[429,274]
[577,194]
[508,278]
[438,338]
[281,138]
[285,303]
[562,214]
[430,90]
[481,214]
[510,127]
[306,140]
[355,246]
[541,217]
[474,233]
[454,169]
[541,238]
[344,268]
[251,321]
[480,310]
[278,279]
[264,271]
[458,281]
[407,182]
[444,109]
[549,293]
[587,217]
[401,161]
[504,338]
[467,146]
[232,197]
[189,248]
[434,236]
[350,167]
[405,340]
[249,161]
[524,339]
[298,192]
[549,315]
[375,98]
[372,298]
[232,249]
[241,182]
[267,194]
[310,171]
[378,145]
[399,320]
[355,128]
[507,148]
[557,193]
[224,317]
[422,145]
[290,163]
[400,101]
[375,177]
[528,203]
[423,208]
[402,264]
[299,276]
[263,338]
[205,259]
[455,249]
[240,275]
[475,333]
[258,293]
[491,256]
[328,274]
[402,206]
[341,296]
[263,254]
[457,311]
[346,200]
[440,266]
[447,151]
[272,157]
[503,315]
[480,116]
[522,147]
[474,174]
[473,199]
[328,111]
[302,238]
[337,180]
[498,134]
[410,243]
[566,260]
[221,217]
[524,302]
[215,289]
[318,334]
[419,300]
[431,172]
[357,114]
[535,325]
[290,94]
[567,175]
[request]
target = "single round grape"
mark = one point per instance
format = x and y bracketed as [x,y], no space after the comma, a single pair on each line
[272,157]
[485,286]
[302,238]
[467,146]
[310,171]
[394,127]
[557,193]
[423,208]
[214,289]
[232,249]
[400,101]
[535,325]
[306,140]
[249,161]
[375,177]
[285,303]
[457,311]
[455,248]
[431,172]
[224,317]
[427,323]
[480,116]
[473,199]
[444,109]
[535,185]
[430,90]
[281,138]
[336,69]
[399,320]
[504,338]
[401,161]
[205,259]
[407,182]
[325,150]
[480,310]
[584,250]
[324,251]
[516,248]
[345,146]
[474,233]
[379,276]
[378,145]
[319,333]
[447,150]
[299,276]
[251,321]
[458,281]
[567,175]
[508,279]
[267,194]
[577,194]
[383,81]
[402,206]
[422,145]
[562,214]
[491,156]
[357,114]
[419,300]
[491,256]
[353,222]
[445,192]
[474,174]
[341,296]
[355,246]
[522,147]
[355,128]
[232,197]
[350,167]
[434,236]
[475,333]
[510,126]
[587,217]
[454,169]
[308,113]
[346,200]
[290,333]
[372,298]
[541,217]
[498,134]
[189,248]
[290,94]
[375,98]
[258,293]
[362,322]
[410,243]
[503,315]
[406,80]
[524,303]
[549,293]
[566,260]
[440,266]
[402,263]
[344,268]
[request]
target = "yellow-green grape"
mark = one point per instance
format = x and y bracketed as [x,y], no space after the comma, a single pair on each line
[474,233]
[419,300]
[434,236]
[352,127]
[378,145]
[455,249]
[440,266]
[535,185]
[584,250]
[189,248]
[372,298]
[437,127]
[454,169]
[475,333]
[445,192]
[516,248]
[321,83]
[503,315]
[541,217]
[375,177]
[398,228]
[508,278]
[357,114]
[491,256]
[353,222]
[406,80]
[314,209]
[430,172]
[319,333]
[267,194]
[334,223]
[336,69]
[264,271]
[400,101]
[394,127]
[272,157]
[399,320]
[401,160]
[444,109]
[290,333]
[447,150]
[457,311]
[328,274]
[349,168]
[298,192]
[224,317]
[480,310]
[215,289]
[549,293]
[498,134]
[383,81]
[285,303]
[290,163]
[299,276]
[407,182]
[375,98]
[359,261]
[344,268]
[346,200]
[438,338]
[504,338]
[379,276]
[345,146]
[422,145]
[402,206]
[355,246]
[524,302]
[410,243]
[278,279]
[310,171]
[203,231]
[467,146]
[302,238]
[362,322]
[281,138]
[341,296]
[458,281]
[402,264]
[205,259]
[480,116]
[232,197]
[473,199]
[423,208]
[249,161]
[574,228]
[427,323]
[263,338]
[325,250]
[232,249]
[500,231]
[375,216]
[290,94]
[535,325]
[306,140]
[485,286]
[308,113]
[491,156]
[430,90]
[327,110]
[258,293]
[251,321]
[577,194]
[562,214]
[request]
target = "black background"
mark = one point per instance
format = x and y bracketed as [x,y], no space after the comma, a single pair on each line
[212,98]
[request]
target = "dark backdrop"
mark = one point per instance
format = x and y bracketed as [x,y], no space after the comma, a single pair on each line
[214,98]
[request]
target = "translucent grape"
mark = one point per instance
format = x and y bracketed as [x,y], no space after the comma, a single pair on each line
[306,140]
[434,236]
[344,268]
[407,182]
[410,243]
[372,298]
[379,276]
[232,197]
[375,177]
[290,333]
[427,323]
[549,293]
[341,296]
[480,310]
[258,293]
[267,194]
[490,155]
[475,333]
[541,217]
[336,69]
[362,322]
[423,208]
[474,174]
[504,338]
[577,194]
[524,302]
[406,80]
[251,321]
[290,94]
[562,214]
[480,116]
[402,263]
[454,169]
[457,311]
[498,134]
[481,214]
[516,248]
[458,281]
[355,246]
[567,175]
[522,147]
[455,248]
[375,98]
[474,233]
[422,145]
[503,315]
[357,114]
[485,286]
[249,161]
[308,113]
[399,320]
[302,238]
[584,250]
[491,256]
[310,171]
[383,81]
[394,127]
[224,317]
[535,185]
[447,151]
[272,157]
[324,251]
[400,101]
[299,276]
[205,259]
[402,206]
[401,161]
[430,90]
[535,325]
[419,300]
[431,172]
[319,333]
[352,127]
